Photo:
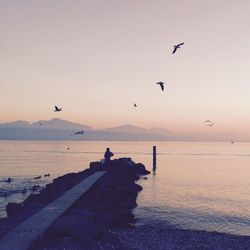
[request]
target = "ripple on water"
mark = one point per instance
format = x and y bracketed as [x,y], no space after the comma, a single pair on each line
[191,219]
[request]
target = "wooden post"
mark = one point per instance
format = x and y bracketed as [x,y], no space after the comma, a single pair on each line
[154,158]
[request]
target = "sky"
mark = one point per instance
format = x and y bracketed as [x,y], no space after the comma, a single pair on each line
[96,58]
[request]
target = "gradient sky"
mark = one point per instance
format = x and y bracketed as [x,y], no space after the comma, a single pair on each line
[96,58]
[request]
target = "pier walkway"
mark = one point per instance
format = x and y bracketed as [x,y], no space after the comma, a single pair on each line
[22,236]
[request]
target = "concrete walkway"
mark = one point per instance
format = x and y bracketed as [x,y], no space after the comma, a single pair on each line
[21,237]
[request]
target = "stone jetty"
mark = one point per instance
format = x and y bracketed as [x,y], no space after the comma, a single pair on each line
[88,223]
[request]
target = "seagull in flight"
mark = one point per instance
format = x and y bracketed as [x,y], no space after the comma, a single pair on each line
[211,124]
[79,133]
[178,46]
[161,84]
[135,105]
[57,109]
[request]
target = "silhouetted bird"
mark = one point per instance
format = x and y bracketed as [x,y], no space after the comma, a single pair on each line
[57,109]
[161,84]
[79,133]
[47,175]
[211,124]
[178,46]
[135,105]
[37,177]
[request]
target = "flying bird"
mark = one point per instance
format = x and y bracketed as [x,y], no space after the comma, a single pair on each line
[57,109]
[135,105]
[211,124]
[178,46]
[161,84]
[79,133]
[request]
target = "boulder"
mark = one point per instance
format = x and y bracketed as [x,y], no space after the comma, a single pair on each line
[96,166]
[82,229]
[13,208]
[141,170]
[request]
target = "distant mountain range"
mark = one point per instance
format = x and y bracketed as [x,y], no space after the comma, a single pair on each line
[57,129]
[51,124]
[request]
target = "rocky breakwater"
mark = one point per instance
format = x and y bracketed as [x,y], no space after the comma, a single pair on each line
[89,222]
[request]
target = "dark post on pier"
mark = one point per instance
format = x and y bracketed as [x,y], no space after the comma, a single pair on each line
[154,158]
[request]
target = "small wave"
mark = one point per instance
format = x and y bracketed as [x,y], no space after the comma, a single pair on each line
[195,220]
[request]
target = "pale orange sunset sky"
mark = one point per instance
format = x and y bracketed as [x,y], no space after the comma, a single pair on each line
[96,58]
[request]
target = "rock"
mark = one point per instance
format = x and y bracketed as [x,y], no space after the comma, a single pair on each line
[141,170]
[108,241]
[86,225]
[82,229]
[13,208]
[96,166]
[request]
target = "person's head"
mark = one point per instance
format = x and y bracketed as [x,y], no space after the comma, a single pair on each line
[107,149]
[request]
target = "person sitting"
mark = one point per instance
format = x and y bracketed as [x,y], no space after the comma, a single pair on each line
[108,154]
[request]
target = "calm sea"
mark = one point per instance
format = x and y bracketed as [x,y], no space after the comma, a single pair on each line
[197,185]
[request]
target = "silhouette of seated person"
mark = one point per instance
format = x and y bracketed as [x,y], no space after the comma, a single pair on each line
[108,154]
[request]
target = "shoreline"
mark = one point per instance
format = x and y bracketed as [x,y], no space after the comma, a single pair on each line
[155,237]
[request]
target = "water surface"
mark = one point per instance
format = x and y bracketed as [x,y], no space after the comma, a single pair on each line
[197,185]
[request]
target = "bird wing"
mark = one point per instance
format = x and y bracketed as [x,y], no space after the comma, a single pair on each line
[79,133]
[180,44]
[175,48]
[56,108]
[162,86]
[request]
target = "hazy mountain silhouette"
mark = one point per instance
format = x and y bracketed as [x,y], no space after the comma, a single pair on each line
[57,123]
[130,129]
[16,124]
[58,129]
